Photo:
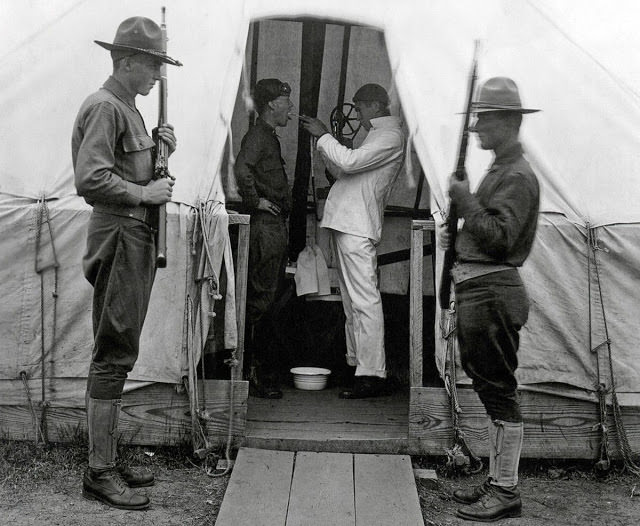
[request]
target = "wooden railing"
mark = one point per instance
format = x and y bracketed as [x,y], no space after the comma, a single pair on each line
[418,227]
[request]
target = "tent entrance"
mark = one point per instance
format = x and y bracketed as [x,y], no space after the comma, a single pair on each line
[325,62]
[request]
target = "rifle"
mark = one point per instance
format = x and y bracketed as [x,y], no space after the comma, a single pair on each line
[460,174]
[161,168]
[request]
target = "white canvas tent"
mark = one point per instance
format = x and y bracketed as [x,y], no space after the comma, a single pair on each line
[584,146]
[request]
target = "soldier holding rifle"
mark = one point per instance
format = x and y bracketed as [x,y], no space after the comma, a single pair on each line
[113,160]
[500,221]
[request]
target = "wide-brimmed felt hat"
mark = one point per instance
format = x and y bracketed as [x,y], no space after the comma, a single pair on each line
[499,94]
[140,35]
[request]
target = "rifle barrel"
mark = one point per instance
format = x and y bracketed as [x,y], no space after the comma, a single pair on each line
[460,174]
[162,157]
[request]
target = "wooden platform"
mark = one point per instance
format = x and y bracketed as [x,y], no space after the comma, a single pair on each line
[283,488]
[320,421]
[419,423]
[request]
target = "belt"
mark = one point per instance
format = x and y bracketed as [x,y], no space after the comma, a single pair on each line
[463,271]
[141,213]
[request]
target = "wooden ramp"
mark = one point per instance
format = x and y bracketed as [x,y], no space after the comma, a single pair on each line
[283,488]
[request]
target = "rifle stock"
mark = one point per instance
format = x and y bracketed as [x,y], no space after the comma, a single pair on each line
[162,157]
[460,174]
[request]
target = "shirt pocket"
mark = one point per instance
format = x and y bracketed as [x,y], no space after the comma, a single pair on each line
[138,158]
[136,143]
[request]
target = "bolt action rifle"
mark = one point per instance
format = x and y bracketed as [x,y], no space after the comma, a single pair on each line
[460,174]
[161,168]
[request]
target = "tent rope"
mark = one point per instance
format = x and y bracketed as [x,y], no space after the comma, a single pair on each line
[37,430]
[460,456]
[43,217]
[201,444]
[621,434]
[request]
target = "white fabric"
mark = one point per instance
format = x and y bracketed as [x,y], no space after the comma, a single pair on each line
[364,325]
[576,60]
[312,275]
[356,201]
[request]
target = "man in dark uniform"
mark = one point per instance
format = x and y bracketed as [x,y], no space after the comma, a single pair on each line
[500,221]
[113,160]
[263,185]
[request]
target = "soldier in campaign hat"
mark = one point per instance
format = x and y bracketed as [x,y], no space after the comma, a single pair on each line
[492,305]
[113,161]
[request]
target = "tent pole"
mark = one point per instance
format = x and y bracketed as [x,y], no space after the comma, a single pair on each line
[313,36]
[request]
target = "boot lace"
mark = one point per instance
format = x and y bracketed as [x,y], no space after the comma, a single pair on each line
[118,480]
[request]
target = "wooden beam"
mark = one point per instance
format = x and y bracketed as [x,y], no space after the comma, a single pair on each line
[157,414]
[242,276]
[389,446]
[555,427]
[415,306]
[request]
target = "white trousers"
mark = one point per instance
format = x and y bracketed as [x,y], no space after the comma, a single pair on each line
[364,326]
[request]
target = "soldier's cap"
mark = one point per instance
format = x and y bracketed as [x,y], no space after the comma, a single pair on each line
[372,93]
[499,94]
[267,90]
[139,35]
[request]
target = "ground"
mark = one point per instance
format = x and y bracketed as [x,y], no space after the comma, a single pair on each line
[553,494]
[42,486]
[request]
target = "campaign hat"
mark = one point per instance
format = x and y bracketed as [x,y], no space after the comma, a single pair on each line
[499,94]
[140,35]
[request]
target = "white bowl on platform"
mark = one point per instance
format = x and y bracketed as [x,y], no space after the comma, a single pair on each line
[310,378]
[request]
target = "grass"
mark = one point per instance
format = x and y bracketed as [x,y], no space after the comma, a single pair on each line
[551,469]
[23,463]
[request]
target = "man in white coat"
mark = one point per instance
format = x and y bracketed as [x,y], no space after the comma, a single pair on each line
[354,213]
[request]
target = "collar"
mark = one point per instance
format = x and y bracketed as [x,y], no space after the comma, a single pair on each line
[117,88]
[508,155]
[386,122]
[265,126]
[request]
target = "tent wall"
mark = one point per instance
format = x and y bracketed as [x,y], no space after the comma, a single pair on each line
[68,342]
[583,145]
[563,345]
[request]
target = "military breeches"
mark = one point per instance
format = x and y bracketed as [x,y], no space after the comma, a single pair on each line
[491,309]
[267,262]
[120,264]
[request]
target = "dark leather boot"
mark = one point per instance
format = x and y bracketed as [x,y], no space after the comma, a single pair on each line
[365,387]
[264,385]
[109,487]
[136,477]
[471,495]
[498,503]
[102,481]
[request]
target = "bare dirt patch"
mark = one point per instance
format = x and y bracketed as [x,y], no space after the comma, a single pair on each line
[558,494]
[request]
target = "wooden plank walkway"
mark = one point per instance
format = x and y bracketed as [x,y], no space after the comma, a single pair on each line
[281,488]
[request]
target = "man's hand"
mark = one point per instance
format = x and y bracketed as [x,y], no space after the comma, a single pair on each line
[457,188]
[267,206]
[443,236]
[165,133]
[315,127]
[158,191]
